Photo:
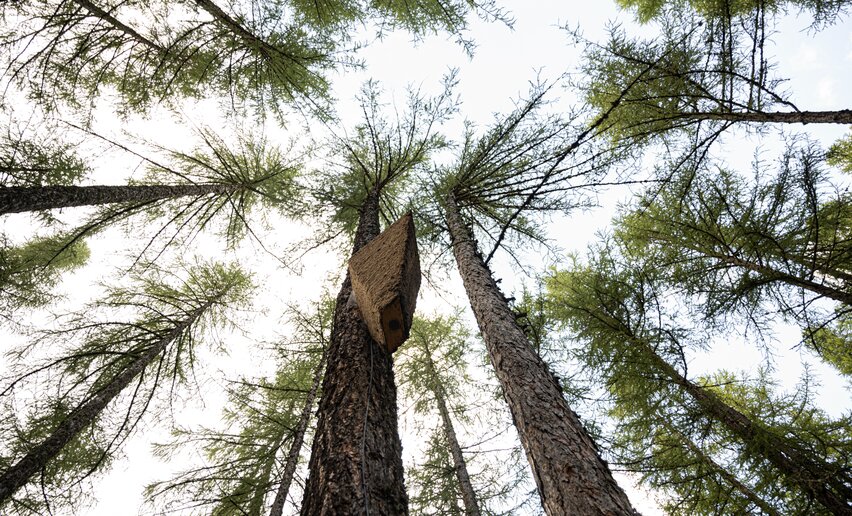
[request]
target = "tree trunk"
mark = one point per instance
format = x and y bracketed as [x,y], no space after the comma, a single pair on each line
[773,274]
[356,457]
[828,485]
[18,199]
[843,116]
[296,446]
[118,25]
[471,505]
[238,29]
[571,478]
[84,415]
[726,475]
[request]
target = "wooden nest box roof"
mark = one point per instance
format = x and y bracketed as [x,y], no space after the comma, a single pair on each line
[385,277]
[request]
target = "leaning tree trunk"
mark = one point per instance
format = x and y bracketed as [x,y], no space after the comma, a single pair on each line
[356,457]
[118,25]
[18,199]
[238,29]
[828,484]
[843,116]
[296,445]
[570,475]
[723,473]
[471,505]
[84,415]
[773,274]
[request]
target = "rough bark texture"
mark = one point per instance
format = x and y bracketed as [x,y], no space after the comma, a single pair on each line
[471,505]
[296,446]
[18,199]
[830,486]
[385,277]
[843,116]
[571,477]
[84,415]
[356,457]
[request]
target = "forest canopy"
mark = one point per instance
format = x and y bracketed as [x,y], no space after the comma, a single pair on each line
[633,245]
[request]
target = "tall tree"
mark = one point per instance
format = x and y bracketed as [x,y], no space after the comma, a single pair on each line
[521,165]
[75,432]
[433,374]
[220,186]
[250,464]
[753,248]
[356,457]
[616,308]
[692,80]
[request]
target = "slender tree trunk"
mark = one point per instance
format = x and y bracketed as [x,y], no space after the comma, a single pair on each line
[296,446]
[242,32]
[843,116]
[356,457]
[726,475]
[84,415]
[18,199]
[767,272]
[471,505]
[118,25]
[828,484]
[571,477]
[773,274]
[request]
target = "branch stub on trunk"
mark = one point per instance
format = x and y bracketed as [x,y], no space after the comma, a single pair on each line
[385,280]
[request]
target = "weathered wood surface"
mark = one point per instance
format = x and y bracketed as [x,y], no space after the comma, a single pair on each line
[385,281]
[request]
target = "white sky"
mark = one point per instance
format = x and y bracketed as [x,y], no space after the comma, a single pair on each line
[819,67]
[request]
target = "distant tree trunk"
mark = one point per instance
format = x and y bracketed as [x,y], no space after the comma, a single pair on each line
[772,274]
[570,475]
[18,199]
[843,116]
[471,505]
[237,28]
[84,415]
[356,457]
[296,445]
[118,25]
[726,475]
[830,486]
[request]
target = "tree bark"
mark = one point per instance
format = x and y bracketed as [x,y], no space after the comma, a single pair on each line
[843,116]
[356,457]
[471,505]
[18,199]
[296,446]
[571,477]
[84,415]
[829,486]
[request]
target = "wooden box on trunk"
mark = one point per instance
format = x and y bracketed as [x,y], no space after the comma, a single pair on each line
[385,277]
